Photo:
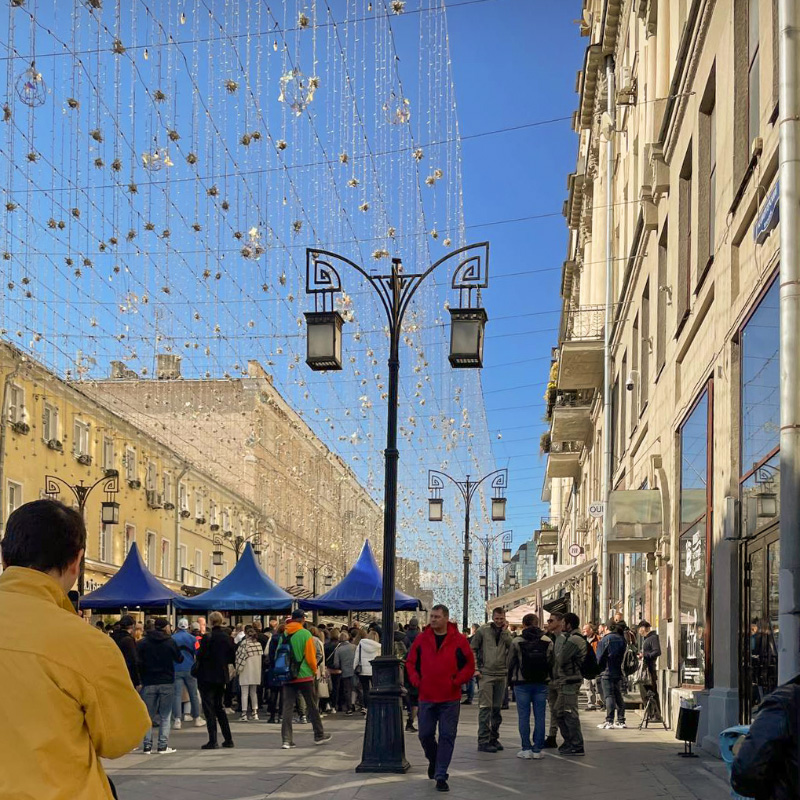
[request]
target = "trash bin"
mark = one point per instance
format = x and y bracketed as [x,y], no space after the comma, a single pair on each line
[686,729]
[727,741]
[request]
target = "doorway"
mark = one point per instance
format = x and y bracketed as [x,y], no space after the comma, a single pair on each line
[759,624]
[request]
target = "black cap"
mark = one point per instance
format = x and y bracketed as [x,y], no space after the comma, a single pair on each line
[127,621]
[298,614]
[161,623]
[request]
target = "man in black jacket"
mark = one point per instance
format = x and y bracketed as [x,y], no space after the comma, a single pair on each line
[127,644]
[766,766]
[158,654]
[651,650]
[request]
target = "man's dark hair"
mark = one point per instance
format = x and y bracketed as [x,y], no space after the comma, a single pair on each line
[161,623]
[644,624]
[572,620]
[43,535]
[498,610]
[443,608]
[127,622]
[100,625]
[556,615]
[530,621]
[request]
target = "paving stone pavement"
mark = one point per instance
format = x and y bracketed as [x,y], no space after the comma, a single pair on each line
[619,765]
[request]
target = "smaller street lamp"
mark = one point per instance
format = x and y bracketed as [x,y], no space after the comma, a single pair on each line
[435,509]
[467,326]
[216,553]
[324,342]
[109,512]
[299,578]
[498,509]
[506,555]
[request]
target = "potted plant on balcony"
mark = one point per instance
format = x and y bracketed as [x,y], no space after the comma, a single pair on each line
[545,442]
[85,459]
[20,427]
[55,444]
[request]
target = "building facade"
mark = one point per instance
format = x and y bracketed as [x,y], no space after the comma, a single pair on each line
[672,260]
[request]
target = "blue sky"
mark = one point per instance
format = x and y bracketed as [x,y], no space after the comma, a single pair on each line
[515,62]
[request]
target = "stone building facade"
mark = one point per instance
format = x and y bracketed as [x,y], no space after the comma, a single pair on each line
[690,247]
[313,512]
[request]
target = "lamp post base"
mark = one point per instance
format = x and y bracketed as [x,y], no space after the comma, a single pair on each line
[384,740]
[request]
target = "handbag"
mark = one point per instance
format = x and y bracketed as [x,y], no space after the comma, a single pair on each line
[323,690]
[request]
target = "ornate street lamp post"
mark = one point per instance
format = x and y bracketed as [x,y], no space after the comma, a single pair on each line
[487,542]
[384,743]
[467,488]
[109,509]
[237,543]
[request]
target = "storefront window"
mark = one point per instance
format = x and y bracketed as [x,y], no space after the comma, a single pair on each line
[692,581]
[760,343]
[638,585]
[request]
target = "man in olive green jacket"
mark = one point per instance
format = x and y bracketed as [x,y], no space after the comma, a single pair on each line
[492,647]
[570,652]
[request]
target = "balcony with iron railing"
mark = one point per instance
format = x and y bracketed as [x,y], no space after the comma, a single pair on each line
[564,459]
[581,357]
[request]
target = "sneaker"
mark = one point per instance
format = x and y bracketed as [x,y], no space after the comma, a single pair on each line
[229,744]
[537,756]
[324,739]
[303,720]
[550,742]
[606,726]
[166,750]
[209,746]
[288,746]
[243,718]
[431,770]
[176,724]
[498,746]
[619,725]
[487,748]
[147,750]
[199,722]
[187,717]
[349,713]
[591,707]
[255,717]
[441,786]
[526,754]
[574,752]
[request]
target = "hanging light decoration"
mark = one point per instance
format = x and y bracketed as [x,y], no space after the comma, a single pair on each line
[397,109]
[31,88]
[297,90]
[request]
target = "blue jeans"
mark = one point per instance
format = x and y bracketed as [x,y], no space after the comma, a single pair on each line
[158,700]
[531,696]
[470,689]
[612,690]
[190,682]
[439,753]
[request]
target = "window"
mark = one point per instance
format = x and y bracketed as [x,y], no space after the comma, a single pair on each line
[130,537]
[637,378]
[623,403]
[183,497]
[151,477]
[14,495]
[614,412]
[685,244]
[212,513]
[131,466]
[644,349]
[150,551]
[226,519]
[664,295]
[198,566]
[166,483]
[198,504]
[760,375]
[165,558]
[753,73]
[15,410]
[50,428]
[706,242]
[103,552]
[695,527]
[80,438]
[108,452]
[183,557]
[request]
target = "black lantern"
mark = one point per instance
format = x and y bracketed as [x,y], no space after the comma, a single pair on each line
[216,557]
[109,513]
[498,509]
[466,337]
[299,579]
[435,509]
[512,579]
[324,340]
[506,555]
[483,581]
[328,581]
[767,505]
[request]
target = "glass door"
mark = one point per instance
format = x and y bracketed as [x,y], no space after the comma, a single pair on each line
[760,623]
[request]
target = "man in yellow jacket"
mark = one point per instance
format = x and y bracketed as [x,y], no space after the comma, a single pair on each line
[66,699]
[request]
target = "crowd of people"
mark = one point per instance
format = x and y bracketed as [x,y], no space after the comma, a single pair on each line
[79,695]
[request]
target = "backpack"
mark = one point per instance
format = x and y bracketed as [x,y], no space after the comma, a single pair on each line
[285,666]
[533,664]
[590,669]
[630,661]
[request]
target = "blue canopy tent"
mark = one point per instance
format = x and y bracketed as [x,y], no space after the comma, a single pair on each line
[359,590]
[246,589]
[134,586]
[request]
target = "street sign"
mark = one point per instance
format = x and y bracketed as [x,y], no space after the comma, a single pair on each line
[575,550]
[596,510]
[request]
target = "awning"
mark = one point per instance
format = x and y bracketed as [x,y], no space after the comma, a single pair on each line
[635,520]
[544,585]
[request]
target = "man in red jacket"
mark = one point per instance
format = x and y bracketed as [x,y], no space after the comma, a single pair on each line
[439,662]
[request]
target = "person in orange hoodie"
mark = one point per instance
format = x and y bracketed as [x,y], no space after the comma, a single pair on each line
[303,661]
